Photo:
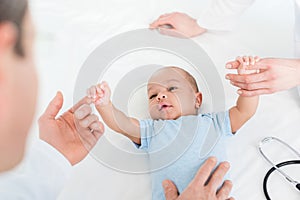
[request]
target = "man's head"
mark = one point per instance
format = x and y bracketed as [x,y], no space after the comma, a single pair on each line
[18,81]
[173,92]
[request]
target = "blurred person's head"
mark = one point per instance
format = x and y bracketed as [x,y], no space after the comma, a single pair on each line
[18,81]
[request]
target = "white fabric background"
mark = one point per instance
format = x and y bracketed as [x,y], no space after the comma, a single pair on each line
[68,31]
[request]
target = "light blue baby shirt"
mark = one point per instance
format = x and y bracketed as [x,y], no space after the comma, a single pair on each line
[177,148]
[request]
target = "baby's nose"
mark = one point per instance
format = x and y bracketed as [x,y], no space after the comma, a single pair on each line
[161,96]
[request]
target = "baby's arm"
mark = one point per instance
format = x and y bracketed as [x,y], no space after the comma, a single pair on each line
[246,106]
[114,118]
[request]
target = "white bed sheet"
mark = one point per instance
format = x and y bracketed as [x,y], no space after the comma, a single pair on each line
[70,30]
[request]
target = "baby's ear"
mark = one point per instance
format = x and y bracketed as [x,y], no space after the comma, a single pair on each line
[198,99]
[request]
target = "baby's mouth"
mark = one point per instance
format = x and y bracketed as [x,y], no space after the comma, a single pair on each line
[164,106]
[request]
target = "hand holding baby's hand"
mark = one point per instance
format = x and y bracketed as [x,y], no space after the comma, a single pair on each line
[100,94]
[246,63]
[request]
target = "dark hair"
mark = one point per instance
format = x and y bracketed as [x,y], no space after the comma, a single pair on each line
[189,78]
[14,11]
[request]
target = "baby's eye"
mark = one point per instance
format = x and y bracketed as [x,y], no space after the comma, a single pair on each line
[170,89]
[152,96]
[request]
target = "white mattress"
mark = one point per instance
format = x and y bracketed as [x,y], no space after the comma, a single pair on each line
[70,30]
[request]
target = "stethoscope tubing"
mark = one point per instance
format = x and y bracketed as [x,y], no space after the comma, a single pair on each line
[277,166]
[269,139]
[265,188]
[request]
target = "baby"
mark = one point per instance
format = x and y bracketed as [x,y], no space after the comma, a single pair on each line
[173,101]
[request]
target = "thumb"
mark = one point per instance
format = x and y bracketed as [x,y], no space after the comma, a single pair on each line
[170,190]
[171,32]
[54,106]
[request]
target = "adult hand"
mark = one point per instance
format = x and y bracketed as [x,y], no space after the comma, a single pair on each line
[74,133]
[179,24]
[274,75]
[199,188]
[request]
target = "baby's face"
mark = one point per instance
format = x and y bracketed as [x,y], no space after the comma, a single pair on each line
[170,95]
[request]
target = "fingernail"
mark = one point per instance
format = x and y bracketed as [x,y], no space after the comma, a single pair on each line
[79,114]
[226,164]
[85,123]
[239,92]
[214,159]
[228,66]
[227,77]
[165,184]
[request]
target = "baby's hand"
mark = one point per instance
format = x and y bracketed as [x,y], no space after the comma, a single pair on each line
[100,94]
[246,63]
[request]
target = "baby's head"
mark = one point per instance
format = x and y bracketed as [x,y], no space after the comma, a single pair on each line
[173,92]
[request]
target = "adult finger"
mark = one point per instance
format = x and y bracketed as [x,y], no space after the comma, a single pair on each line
[96,126]
[172,32]
[90,130]
[87,121]
[218,175]
[97,129]
[160,22]
[83,111]
[170,190]
[81,102]
[251,93]
[164,15]
[54,107]
[204,172]
[247,78]
[88,138]
[225,190]
[251,86]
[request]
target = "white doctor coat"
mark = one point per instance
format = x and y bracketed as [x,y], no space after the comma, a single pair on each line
[41,176]
[223,15]
[297,31]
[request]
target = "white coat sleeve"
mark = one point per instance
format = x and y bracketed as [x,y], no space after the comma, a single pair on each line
[297,32]
[297,28]
[42,175]
[222,15]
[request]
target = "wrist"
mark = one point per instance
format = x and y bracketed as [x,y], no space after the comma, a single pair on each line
[297,67]
[198,30]
[104,105]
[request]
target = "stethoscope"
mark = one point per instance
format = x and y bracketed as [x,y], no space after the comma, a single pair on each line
[295,183]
